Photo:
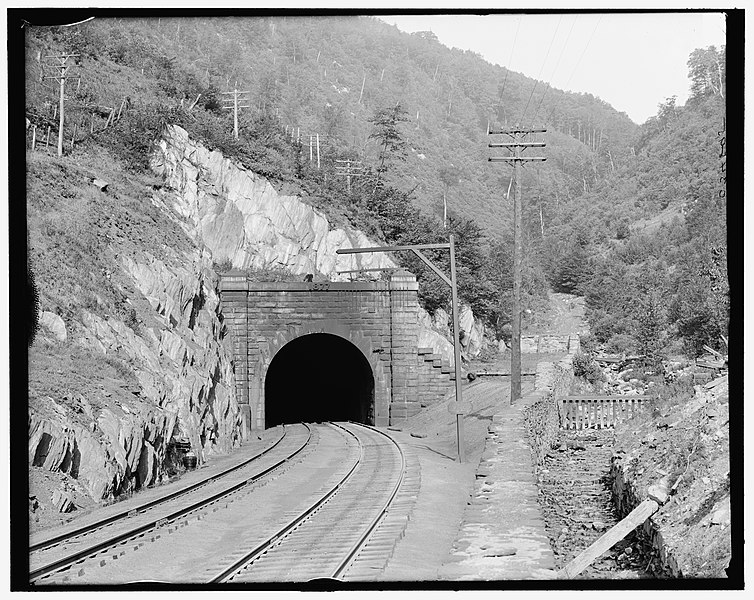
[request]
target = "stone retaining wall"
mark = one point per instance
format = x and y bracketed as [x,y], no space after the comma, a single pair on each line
[542,415]
[626,498]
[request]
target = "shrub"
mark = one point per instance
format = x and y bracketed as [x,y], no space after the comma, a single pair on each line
[621,343]
[132,137]
[587,342]
[222,267]
[585,367]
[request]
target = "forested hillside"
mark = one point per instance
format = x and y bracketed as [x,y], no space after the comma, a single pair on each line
[648,245]
[412,117]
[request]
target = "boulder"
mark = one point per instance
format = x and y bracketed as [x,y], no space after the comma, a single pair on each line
[53,324]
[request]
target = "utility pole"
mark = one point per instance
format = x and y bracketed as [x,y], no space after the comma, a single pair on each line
[62,67]
[349,168]
[517,146]
[238,96]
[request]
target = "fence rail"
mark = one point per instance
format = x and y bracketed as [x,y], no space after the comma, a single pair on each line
[599,412]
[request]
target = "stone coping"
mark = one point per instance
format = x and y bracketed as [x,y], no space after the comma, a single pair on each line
[241,284]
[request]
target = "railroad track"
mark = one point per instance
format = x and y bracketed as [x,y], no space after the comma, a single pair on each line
[330,537]
[93,541]
[334,511]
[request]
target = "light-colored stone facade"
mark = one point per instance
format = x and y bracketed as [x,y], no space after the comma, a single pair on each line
[379,318]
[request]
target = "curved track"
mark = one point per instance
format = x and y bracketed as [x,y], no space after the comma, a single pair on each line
[326,538]
[333,507]
[60,552]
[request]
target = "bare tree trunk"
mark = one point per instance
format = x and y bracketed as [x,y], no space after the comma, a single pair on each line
[541,221]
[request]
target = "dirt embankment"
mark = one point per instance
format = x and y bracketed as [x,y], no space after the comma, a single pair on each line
[683,444]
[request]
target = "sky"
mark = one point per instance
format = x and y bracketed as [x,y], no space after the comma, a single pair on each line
[632,61]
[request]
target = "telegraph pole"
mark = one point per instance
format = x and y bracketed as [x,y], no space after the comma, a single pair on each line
[349,168]
[62,66]
[517,146]
[237,96]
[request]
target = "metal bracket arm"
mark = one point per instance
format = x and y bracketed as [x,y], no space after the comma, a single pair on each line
[429,263]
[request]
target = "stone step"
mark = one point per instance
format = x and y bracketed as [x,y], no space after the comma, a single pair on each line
[431,357]
[425,351]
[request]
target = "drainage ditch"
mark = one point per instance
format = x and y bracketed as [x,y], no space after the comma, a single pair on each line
[575,494]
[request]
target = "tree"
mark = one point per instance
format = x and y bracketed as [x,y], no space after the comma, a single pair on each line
[389,137]
[449,176]
[707,72]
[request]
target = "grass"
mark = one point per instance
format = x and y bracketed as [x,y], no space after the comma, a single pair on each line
[77,233]
[67,372]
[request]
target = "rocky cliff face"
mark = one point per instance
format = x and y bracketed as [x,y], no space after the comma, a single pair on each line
[435,332]
[117,438]
[239,216]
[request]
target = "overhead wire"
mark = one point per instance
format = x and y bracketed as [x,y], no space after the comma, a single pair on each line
[510,59]
[557,64]
[536,81]
[578,62]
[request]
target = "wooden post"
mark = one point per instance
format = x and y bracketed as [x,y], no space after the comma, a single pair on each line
[73,137]
[311,148]
[456,348]
[91,127]
[517,264]
[235,110]
[317,151]
[518,144]
[635,518]
[47,140]
[62,99]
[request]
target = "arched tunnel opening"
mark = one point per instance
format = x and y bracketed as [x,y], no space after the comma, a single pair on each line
[319,377]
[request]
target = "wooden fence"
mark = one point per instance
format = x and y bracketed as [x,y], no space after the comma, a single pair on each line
[599,412]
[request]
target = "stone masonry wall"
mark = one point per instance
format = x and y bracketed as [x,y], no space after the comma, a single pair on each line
[542,412]
[379,318]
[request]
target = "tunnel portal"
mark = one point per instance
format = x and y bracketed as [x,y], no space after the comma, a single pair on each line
[319,377]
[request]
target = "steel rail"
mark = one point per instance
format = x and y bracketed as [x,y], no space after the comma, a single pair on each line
[260,548]
[146,506]
[112,541]
[375,522]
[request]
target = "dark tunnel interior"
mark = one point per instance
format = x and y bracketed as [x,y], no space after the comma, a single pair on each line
[319,377]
